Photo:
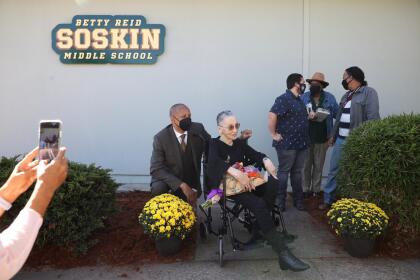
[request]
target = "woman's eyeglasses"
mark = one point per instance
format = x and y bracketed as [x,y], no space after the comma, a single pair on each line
[232,126]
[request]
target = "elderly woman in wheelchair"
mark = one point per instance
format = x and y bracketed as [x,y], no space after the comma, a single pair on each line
[227,150]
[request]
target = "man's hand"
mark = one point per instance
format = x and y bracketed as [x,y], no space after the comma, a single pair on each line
[22,177]
[277,137]
[246,134]
[189,193]
[269,166]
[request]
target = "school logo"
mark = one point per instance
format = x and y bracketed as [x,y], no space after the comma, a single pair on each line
[105,39]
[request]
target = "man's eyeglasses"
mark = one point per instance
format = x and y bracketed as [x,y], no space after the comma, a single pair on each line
[232,126]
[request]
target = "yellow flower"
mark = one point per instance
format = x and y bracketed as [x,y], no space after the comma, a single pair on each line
[168,228]
[162,229]
[339,219]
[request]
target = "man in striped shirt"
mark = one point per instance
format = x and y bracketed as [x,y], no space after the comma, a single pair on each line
[359,104]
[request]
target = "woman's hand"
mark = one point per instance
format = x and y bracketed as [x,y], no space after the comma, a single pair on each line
[330,141]
[246,134]
[245,181]
[312,116]
[269,166]
[50,177]
[53,174]
[242,178]
[22,177]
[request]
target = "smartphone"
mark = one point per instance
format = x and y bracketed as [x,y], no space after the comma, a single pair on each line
[49,139]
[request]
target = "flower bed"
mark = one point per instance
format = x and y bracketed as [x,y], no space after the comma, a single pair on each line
[121,242]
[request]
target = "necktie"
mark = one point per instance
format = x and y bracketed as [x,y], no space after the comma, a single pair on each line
[183,144]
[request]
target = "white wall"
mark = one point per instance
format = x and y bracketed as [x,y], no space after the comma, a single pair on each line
[218,55]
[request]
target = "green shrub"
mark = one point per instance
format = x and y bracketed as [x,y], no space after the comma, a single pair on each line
[381,164]
[78,208]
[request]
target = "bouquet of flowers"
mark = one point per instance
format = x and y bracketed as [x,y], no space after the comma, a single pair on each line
[233,186]
[212,198]
[357,219]
[165,216]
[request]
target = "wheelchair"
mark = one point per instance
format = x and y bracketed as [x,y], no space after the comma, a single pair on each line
[230,211]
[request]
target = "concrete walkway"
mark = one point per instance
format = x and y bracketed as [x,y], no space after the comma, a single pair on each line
[315,245]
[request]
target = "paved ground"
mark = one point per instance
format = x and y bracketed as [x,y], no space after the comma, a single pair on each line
[315,245]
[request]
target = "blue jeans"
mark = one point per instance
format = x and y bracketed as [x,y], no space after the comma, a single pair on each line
[291,161]
[331,185]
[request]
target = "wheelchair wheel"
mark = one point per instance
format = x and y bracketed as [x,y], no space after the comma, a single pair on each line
[203,231]
[221,250]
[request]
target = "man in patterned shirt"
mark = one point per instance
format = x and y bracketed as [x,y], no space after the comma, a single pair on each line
[288,126]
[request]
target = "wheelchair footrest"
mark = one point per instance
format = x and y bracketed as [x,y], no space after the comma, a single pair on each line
[250,245]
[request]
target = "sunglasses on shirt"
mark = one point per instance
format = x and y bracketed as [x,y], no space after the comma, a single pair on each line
[232,126]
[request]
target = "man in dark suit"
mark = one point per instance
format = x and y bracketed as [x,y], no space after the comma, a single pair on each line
[175,165]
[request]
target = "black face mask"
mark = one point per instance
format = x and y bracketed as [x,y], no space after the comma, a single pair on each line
[345,84]
[302,88]
[185,124]
[315,89]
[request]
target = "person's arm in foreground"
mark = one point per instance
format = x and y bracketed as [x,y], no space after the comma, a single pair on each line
[17,240]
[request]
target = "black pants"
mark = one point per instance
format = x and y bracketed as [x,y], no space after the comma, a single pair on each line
[159,187]
[291,161]
[260,202]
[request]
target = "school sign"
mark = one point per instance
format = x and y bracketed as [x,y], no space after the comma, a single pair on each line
[101,39]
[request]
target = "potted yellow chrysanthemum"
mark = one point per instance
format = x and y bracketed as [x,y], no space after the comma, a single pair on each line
[168,220]
[358,223]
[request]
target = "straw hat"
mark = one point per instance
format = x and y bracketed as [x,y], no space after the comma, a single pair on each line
[318,77]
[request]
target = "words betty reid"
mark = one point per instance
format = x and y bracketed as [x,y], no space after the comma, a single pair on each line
[108,39]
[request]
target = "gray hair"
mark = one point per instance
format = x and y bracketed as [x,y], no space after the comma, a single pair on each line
[222,115]
[176,107]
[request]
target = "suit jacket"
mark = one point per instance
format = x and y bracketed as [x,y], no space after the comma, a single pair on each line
[166,162]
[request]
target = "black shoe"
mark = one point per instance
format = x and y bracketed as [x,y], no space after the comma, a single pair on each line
[289,261]
[286,259]
[308,194]
[299,206]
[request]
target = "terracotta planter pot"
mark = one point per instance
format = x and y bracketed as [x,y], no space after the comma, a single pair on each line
[358,247]
[168,246]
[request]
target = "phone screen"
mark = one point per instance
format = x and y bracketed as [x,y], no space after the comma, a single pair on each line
[49,139]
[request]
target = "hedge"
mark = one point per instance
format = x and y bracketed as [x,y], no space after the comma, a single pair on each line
[78,208]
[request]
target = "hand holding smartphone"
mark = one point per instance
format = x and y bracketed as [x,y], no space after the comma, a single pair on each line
[49,139]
